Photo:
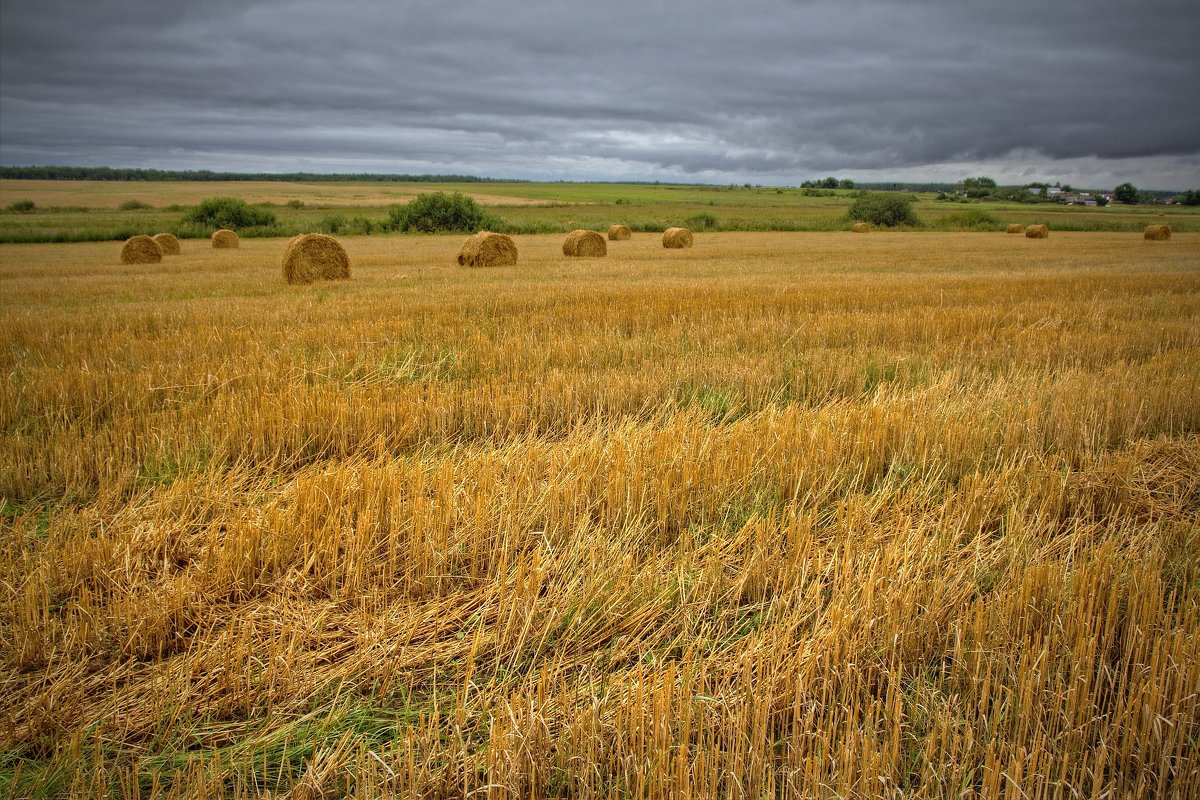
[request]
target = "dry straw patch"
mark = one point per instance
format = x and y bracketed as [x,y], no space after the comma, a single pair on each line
[1157,233]
[487,249]
[619,233]
[1014,227]
[225,239]
[861,227]
[167,243]
[141,250]
[677,238]
[1037,232]
[584,244]
[315,257]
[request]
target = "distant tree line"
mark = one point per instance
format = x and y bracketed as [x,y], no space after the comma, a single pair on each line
[57,173]
[828,183]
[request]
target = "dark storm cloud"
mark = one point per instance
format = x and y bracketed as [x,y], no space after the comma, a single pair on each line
[765,91]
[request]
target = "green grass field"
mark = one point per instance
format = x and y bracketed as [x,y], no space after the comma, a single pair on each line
[90,210]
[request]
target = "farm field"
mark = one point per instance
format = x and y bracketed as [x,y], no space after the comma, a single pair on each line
[782,515]
[70,211]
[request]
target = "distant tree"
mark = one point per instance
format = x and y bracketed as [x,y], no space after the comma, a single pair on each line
[829,183]
[978,187]
[1190,198]
[1126,193]
[845,183]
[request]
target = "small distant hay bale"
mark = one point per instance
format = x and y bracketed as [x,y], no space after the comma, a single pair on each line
[167,243]
[225,238]
[1037,232]
[861,227]
[584,244]
[677,238]
[487,249]
[141,250]
[619,233]
[315,257]
[1015,227]
[1157,233]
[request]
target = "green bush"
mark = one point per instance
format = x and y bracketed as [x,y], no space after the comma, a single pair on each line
[133,205]
[295,204]
[703,221]
[974,220]
[886,209]
[339,224]
[22,206]
[440,212]
[229,212]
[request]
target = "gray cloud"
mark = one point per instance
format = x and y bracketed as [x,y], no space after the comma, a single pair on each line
[768,91]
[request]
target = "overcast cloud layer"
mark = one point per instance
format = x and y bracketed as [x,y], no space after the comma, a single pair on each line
[1092,93]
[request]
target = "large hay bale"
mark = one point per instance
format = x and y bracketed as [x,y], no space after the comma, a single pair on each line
[167,243]
[619,233]
[861,227]
[1014,227]
[584,244]
[141,250]
[1037,232]
[1157,233]
[677,238]
[315,257]
[487,249]
[225,238]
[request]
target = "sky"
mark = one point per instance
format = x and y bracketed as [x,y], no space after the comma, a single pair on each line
[1091,93]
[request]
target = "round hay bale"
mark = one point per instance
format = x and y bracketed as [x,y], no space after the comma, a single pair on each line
[315,257]
[861,227]
[167,243]
[487,249]
[141,250]
[1015,227]
[1157,233]
[584,244]
[619,233]
[677,238]
[225,238]
[1037,232]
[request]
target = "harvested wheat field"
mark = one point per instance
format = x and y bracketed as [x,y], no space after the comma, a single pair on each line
[790,515]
